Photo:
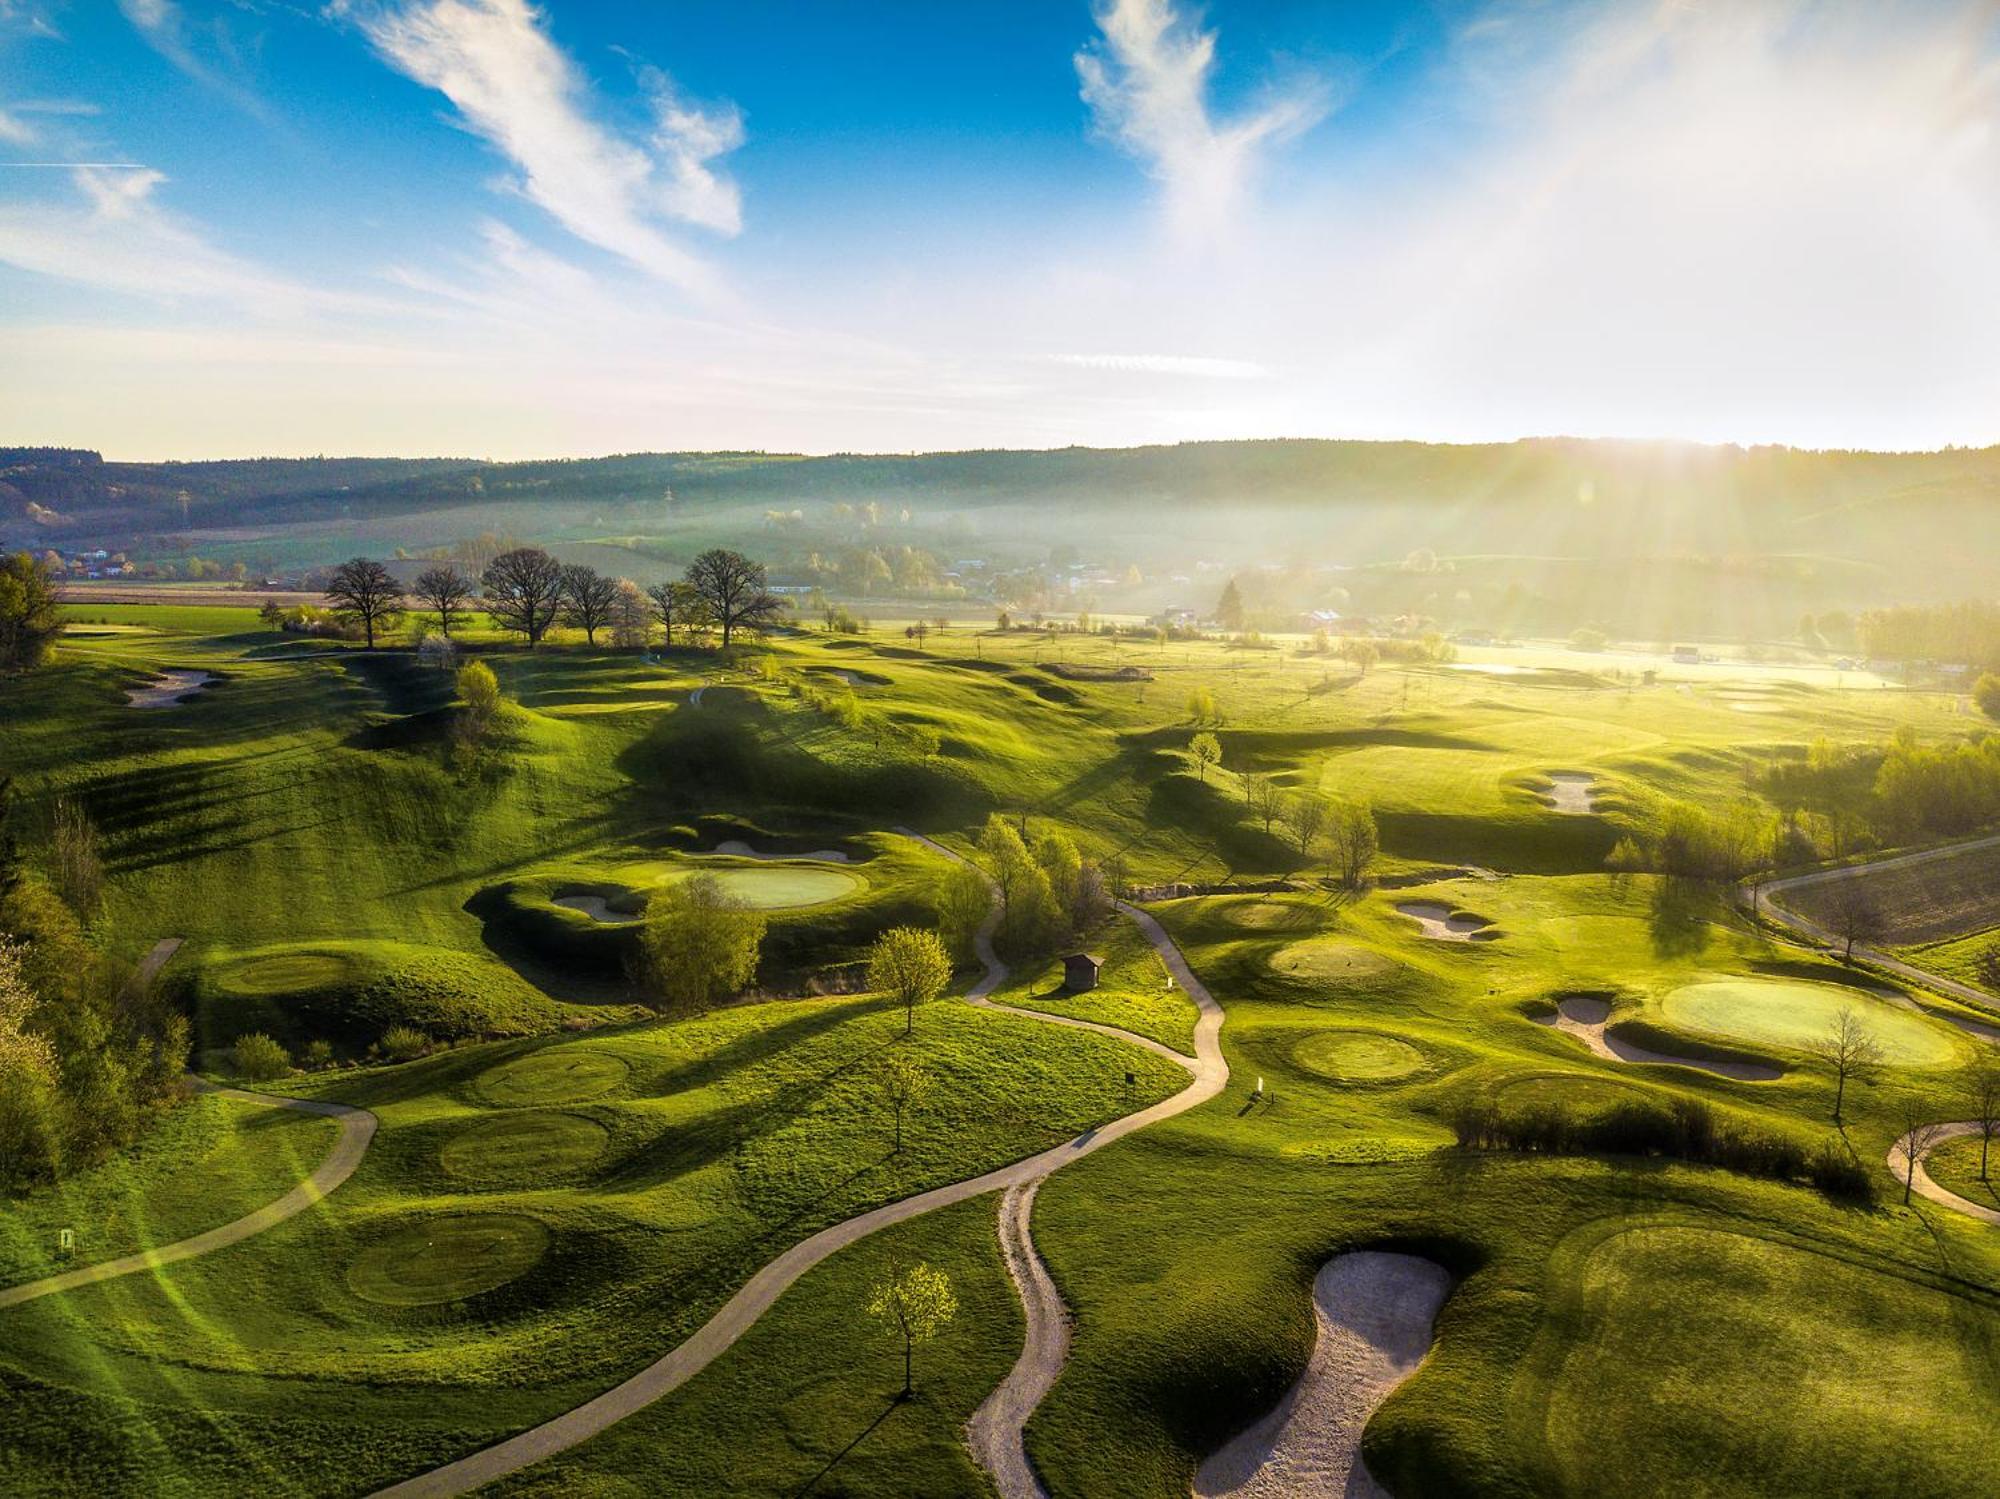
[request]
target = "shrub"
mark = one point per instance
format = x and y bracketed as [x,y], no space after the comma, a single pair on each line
[1835,1172]
[401,1043]
[318,1056]
[1986,693]
[259,1058]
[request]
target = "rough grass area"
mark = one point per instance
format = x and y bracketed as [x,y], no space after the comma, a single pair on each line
[1954,1166]
[1932,901]
[1959,958]
[1133,990]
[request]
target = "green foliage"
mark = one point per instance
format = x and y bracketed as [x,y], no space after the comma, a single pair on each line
[401,1043]
[259,1058]
[699,945]
[918,1301]
[911,965]
[1204,750]
[30,618]
[1986,693]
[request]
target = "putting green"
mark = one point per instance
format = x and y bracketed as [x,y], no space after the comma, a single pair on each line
[516,1147]
[284,973]
[555,1074]
[1571,1090]
[1269,916]
[447,1259]
[1330,960]
[1357,1057]
[778,886]
[1796,1013]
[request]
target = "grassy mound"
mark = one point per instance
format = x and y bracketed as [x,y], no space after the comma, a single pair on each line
[524,1147]
[1775,1012]
[1330,960]
[447,1259]
[1357,1057]
[1259,915]
[1676,1334]
[554,1075]
[351,992]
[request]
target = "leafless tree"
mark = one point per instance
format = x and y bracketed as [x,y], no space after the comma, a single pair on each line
[733,588]
[1982,1091]
[678,606]
[444,591]
[1262,796]
[363,592]
[1920,1133]
[588,599]
[523,590]
[1353,842]
[1306,816]
[631,620]
[1851,1050]
[1853,916]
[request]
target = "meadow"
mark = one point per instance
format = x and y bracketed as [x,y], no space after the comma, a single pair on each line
[567,1187]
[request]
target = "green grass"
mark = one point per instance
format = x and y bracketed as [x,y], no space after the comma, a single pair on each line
[1357,1057]
[1954,1166]
[447,1259]
[1957,958]
[1133,989]
[1778,1012]
[1929,902]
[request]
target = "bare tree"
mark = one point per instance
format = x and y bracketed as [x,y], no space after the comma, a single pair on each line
[1306,816]
[1920,1133]
[77,865]
[1353,842]
[363,592]
[588,599]
[678,606]
[904,1085]
[733,588]
[1262,796]
[1982,1091]
[523,589]
[1853,916]
[444,591]
[1205,750]
[631,620]
[1851,1050]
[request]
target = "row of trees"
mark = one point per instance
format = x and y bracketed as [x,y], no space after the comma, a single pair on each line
[528,592]
[1342,834]
[1837,798]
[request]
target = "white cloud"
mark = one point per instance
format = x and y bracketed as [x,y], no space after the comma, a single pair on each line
[1147,83]
[1194,365]
[15,131]
[511,84]
[165,28]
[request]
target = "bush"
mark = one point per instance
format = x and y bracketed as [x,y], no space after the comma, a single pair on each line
[259,1058]
[318,1056]
[1835,1172]
[402,1043]
[1986,693]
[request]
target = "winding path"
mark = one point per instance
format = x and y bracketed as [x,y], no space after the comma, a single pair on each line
[357,1128]
[1767,907]
[762,1290]
[1899,1161]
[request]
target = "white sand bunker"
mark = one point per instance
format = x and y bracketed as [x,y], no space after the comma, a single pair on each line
[1584,1015]
[596,907]
[1443,924]
[1375,1312]
[167,689]
[1570,793]
[738,849]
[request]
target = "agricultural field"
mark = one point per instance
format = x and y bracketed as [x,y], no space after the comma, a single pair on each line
[1598,1100]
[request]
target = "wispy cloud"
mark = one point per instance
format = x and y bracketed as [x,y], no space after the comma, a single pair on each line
[1147,82]
[164,25]
[515,88]
[1192,365]
[15,131]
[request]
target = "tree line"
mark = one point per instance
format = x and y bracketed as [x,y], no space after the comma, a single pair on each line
[528,592]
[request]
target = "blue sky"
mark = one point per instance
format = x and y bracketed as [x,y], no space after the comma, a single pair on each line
[482,226]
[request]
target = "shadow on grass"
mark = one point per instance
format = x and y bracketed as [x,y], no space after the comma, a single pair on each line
[841,1456]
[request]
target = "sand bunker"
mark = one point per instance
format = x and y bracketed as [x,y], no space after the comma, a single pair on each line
[1375,1313]
[596,907]
[167,689]
[1584,1015]
[1570,793]
[736,848]
[1443,924]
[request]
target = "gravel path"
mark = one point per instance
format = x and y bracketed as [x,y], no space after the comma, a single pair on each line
[1899,1160]
[716,1336]
[1375,1312]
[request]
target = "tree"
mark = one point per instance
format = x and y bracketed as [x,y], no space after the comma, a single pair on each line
[1201,707]
[1353,841]
[1305,814]
[21,1051]
[30,612]
[677,604]
[699,944]
[479,690]
[631,619]
[259,1058]
[523,591]
[963,901]
[732,586]
[919,1301]
[1982,1092]
[1205,750]
[911,964]
[75,864]
[1262,796]
[588,597]
[1853,916]
[1229,608]
[29,1071]
[444,591]
[1851,1050]
[363,592]
[1920,1133]
[1986,693]
[1986,966]
[904,1086]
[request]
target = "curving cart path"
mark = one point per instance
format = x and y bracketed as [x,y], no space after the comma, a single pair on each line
[757,1295]
[357,1128]
[1899,1162]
